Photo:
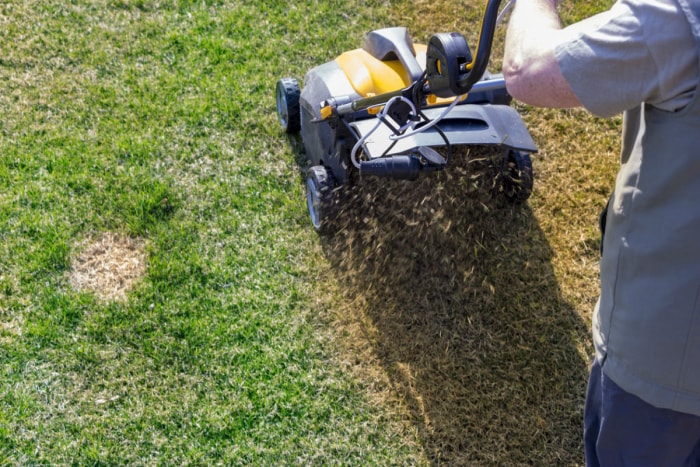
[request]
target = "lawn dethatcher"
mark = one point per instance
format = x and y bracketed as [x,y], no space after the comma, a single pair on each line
[397,109]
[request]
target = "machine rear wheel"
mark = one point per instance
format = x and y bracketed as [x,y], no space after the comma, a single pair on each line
[288,109]
[516,179]
[320,198]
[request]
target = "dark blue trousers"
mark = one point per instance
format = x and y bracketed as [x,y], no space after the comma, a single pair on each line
[620,429]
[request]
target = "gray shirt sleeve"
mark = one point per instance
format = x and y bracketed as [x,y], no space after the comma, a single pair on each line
[638,51]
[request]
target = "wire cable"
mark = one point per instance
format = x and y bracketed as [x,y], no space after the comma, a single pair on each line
[430,124]
[380,116]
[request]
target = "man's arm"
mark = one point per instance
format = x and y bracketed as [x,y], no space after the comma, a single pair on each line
[530,67]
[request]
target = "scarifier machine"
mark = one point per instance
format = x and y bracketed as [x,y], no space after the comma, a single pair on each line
[397,109]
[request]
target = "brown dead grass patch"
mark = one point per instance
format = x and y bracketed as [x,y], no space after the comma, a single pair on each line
[469,316]
[109,266]
[452,311]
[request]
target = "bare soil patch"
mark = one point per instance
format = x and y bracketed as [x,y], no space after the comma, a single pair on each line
[109,266]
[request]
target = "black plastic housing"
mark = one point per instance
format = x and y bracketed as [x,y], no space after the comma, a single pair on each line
[446,59]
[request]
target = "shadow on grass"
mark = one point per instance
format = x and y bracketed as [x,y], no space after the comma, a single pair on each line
[454,293]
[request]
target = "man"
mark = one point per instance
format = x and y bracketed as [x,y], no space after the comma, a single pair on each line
[642,57]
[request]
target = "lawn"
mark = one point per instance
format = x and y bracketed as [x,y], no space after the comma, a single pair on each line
[164,299]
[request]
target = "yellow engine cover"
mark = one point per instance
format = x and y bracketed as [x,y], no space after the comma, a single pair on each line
[370,76]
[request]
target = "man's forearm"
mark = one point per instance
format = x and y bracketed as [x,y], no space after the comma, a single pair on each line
[529,64]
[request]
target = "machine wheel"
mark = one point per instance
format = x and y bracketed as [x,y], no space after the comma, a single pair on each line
[320,198]
[288,109]
[516,176]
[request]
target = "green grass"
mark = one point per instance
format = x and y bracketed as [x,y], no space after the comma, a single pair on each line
[156,119]
[442,328]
